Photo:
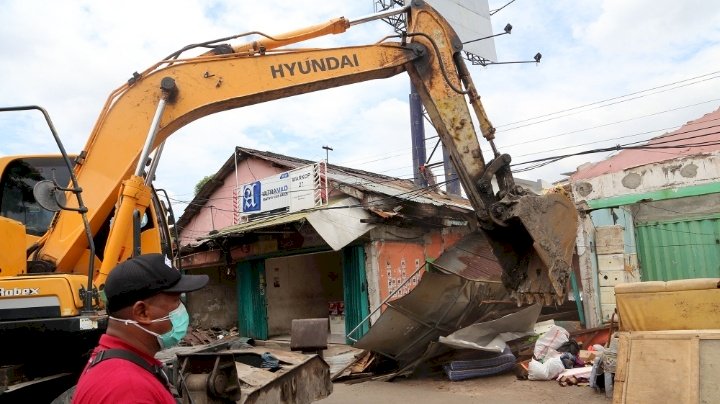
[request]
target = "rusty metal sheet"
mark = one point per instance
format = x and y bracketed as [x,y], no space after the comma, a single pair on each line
[471,258]
[300,379]
[437,306]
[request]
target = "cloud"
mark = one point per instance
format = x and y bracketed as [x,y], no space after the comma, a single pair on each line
[675,30]
[71,55]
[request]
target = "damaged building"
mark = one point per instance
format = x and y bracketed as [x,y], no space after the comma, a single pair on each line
[649,213]
[363,237]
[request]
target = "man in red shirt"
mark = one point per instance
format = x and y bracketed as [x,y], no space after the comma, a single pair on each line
[145,316]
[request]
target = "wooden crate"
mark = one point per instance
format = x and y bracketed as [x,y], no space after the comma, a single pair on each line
[678,366]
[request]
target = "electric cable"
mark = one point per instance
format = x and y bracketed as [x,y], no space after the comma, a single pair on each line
[617,98]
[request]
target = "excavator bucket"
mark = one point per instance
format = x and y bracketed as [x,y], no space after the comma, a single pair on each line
[532,254]
[536,246]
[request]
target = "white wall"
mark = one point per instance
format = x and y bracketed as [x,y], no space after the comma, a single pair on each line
[301,287]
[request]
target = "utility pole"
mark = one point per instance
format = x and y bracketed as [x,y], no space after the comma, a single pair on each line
[327,150]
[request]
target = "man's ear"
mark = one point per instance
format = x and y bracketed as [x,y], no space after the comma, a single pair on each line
[141,312]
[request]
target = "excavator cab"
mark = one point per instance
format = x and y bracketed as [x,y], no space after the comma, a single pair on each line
[18,176]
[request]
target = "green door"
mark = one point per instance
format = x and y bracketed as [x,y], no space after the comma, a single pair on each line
[252,308]
[681,249]
[355,290]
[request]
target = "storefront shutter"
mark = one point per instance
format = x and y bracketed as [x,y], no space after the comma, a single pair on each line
[355,290]
[252,308]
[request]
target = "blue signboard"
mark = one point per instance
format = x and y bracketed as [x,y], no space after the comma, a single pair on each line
[251,197]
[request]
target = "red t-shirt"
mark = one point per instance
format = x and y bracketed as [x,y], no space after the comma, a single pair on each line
[117,380]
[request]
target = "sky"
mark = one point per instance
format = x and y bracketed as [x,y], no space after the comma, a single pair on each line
[612,72]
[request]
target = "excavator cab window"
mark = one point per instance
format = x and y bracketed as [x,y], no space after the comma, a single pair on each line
[16,190]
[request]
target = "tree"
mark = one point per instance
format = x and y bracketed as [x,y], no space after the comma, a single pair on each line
[202,183]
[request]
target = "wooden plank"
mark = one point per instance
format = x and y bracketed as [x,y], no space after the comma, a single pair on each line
[654,361]
[611,262]
[709,368]
[675,334]
[618,392]
[623,354]
[607,295]
[609,239]
[611,278]
[647,360]
[621,368]
[693,376]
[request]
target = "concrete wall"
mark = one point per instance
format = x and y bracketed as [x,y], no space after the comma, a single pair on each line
[222,214]
[215,305]
[606,237]
[394,254]
[691,207]
[693,170]
[301,287]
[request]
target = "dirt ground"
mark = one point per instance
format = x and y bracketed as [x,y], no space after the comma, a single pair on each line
[501,389]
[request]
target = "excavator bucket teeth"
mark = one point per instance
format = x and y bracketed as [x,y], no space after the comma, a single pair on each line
[535,249]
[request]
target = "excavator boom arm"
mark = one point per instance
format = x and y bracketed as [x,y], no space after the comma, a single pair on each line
[212,83]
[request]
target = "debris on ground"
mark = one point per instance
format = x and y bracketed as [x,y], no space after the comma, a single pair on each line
[233,369]
[201,336]
[348,362]
[492,336]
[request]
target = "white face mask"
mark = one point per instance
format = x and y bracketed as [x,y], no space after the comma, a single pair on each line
[179,319]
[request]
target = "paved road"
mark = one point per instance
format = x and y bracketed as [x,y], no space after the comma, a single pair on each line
[503,389]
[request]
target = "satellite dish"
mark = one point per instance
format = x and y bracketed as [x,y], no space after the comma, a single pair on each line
[48,196]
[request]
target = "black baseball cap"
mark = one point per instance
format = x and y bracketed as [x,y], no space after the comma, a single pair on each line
[146,275]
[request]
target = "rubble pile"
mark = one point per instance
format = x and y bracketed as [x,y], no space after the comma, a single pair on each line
[202,336]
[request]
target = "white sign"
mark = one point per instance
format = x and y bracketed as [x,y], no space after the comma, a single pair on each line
[291,191]
[302,188]
[265,195]
[471,20]
[88,324]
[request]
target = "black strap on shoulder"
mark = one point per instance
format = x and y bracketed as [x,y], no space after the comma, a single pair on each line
[134,358]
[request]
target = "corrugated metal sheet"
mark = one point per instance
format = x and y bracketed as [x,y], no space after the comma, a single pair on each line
[679,249]
[401,189]
[259,224]
[438,305]
[472,258]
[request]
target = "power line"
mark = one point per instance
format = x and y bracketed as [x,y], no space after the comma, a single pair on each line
[614,98]
[493,12]
[655,146]
[360,162]
[610,124]
[628,136]
[539,162]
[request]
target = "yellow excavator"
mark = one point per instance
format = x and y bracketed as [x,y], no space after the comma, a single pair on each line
[53,270]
